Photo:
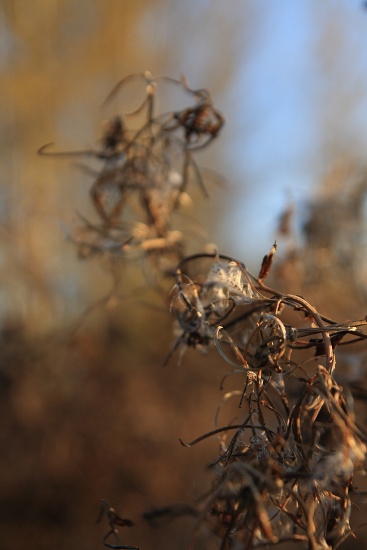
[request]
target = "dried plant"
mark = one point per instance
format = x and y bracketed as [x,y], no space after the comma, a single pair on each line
[285,468]
[148,170]
[287,472]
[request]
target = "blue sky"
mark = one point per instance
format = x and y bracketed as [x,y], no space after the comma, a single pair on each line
[297,101]
[294,103]
[281,139]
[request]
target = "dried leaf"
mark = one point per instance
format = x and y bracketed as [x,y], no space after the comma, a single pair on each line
[267,262]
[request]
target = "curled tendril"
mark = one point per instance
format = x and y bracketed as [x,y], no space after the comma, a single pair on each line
[286,472]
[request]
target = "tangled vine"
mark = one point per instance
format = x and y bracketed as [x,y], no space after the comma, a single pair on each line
[287,472]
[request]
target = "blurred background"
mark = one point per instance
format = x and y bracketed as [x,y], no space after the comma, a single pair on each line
[90,414]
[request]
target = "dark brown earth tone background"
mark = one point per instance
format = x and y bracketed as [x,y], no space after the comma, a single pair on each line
[91,414]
